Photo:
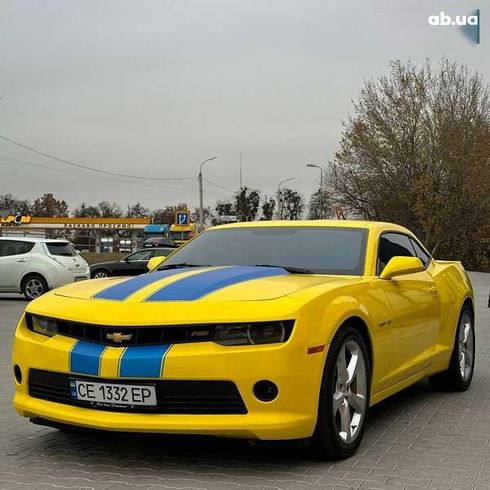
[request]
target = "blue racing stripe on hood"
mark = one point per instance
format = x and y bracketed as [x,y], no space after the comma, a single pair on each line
[123,290]
[199,285]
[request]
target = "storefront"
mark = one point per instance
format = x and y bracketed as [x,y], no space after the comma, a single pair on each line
[87,234]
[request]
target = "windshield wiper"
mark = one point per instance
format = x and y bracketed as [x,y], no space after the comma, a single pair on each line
[292,270]
[180,264]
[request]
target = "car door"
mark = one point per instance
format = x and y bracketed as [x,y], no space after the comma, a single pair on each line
[136,263]
[414,313]
[14,259]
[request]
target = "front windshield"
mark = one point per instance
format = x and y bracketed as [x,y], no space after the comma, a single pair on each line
[323,250]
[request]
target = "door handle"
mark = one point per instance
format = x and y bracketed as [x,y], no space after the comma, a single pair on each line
[433,291]
[21,260]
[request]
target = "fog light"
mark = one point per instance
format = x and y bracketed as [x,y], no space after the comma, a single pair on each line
[18,374]
[265,391]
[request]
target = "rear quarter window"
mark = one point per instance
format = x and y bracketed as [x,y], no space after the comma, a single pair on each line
[421,253]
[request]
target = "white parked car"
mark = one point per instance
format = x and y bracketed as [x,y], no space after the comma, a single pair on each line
[33,266]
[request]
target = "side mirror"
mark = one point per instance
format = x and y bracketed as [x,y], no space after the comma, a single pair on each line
[155,262]
[399,266]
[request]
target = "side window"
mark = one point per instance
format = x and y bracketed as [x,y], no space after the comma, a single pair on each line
[3,247]
[162,252]
[141,255]
[393,245]
[12,247]
[421,253]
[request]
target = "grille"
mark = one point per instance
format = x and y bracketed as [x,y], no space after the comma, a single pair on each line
[173,396]
[122,336]
[154,335]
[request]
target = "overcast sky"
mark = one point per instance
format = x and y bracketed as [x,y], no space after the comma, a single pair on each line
[152,88]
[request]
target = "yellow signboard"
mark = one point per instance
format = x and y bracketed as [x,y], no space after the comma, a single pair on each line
[15,220]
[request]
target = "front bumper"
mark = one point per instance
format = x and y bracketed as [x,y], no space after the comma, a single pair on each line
[291,415]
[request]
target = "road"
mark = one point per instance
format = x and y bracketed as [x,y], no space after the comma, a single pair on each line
[417,439]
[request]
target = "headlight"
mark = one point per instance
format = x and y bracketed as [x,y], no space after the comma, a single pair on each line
[44,326]
[253,333]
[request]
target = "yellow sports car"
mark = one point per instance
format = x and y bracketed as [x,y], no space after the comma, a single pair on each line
[267,330]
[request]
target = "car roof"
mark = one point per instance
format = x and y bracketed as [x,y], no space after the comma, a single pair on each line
[329,223]
[33,239]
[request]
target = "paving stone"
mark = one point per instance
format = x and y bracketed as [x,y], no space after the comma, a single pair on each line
[419,439]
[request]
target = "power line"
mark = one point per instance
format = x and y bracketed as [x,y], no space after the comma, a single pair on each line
[56,169]
[219,186]
[92,169]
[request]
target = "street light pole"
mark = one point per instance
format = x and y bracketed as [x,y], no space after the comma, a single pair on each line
[201,206]
[312,165]
[279,210]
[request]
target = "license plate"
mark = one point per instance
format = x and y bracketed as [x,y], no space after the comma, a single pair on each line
[113,394]
[80,278]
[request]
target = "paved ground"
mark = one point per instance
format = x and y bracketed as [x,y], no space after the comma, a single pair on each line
[418,439]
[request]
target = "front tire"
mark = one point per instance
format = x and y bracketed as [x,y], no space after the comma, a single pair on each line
[100,274]
[34,286]
[344,397]
[459,374]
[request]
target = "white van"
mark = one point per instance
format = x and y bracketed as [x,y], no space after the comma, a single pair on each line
[33,266]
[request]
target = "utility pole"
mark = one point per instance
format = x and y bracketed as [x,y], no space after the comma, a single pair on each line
[312,165]
[201,205]
[278,198]
[241,176]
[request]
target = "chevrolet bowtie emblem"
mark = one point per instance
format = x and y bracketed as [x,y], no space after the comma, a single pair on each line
[118,337]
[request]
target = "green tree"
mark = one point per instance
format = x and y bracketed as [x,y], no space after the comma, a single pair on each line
[247,204]
[320,205]
[291,204]
[84,211]
[416,151]
[268,207]
[225,208]
[48,206]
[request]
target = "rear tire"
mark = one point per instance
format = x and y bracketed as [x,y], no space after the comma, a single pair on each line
[344,397]
[458,376]
[34,286]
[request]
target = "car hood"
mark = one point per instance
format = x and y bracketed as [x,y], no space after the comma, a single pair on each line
[174,294]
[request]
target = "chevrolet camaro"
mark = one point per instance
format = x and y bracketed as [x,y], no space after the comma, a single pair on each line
[267,330]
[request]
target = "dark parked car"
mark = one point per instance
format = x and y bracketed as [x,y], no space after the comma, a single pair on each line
[159,241]
[131,265]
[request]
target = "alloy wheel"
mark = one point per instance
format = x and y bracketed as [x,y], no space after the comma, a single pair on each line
[349,397]
[34,287]
[466,343]
[100,275]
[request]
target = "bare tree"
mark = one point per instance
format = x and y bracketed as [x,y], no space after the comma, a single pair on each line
[416,151]
[137,211]
[48,205]
[12,204]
